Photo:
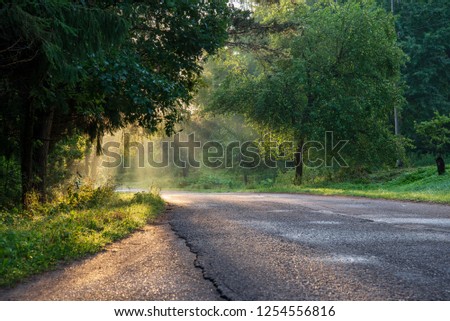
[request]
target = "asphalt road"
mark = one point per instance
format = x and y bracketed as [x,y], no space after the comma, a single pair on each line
[152,264]
[303,247]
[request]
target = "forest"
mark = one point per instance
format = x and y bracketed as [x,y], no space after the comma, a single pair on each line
[374,73]
[318,96]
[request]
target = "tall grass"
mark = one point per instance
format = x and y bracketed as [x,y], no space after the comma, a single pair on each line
[71,227]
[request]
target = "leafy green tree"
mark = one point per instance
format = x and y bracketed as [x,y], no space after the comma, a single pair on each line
[424,31]
[96,66]
[437,134]
[328,67]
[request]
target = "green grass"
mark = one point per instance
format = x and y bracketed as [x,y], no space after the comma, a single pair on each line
[38,239]
[420,184]
[413,184]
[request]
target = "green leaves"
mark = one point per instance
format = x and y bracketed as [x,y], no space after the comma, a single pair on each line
[423,34]
[436,133]
[336,68]
[59,33]
[93,67]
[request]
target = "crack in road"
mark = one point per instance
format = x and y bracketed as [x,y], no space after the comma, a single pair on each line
[152,264]
[287,247]
[199,265]
[241,246]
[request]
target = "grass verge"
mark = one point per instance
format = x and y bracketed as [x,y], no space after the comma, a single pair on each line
[38,239]
[420,184]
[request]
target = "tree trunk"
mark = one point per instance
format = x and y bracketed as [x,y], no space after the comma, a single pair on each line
[440,165]
[185,171]
[87,160]
[26,155]
[94,167]
[184,158]
[298,163]
[43,129]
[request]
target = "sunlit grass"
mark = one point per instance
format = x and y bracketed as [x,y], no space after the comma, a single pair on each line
[413,184]
[38,240]
[420,184]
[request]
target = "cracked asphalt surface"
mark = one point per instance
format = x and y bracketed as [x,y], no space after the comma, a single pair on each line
[304,247]
[152,264]
[248,246]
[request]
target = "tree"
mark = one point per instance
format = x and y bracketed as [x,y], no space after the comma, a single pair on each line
[328,67]
[96,66]
[423,34]
[41,46]
[437,134]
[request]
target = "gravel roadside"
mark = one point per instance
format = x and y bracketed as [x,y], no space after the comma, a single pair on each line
[151,264]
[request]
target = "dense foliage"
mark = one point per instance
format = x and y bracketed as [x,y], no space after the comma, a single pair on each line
[91,67]
[319,68]
[436,133]
[71,71]
[424,31]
